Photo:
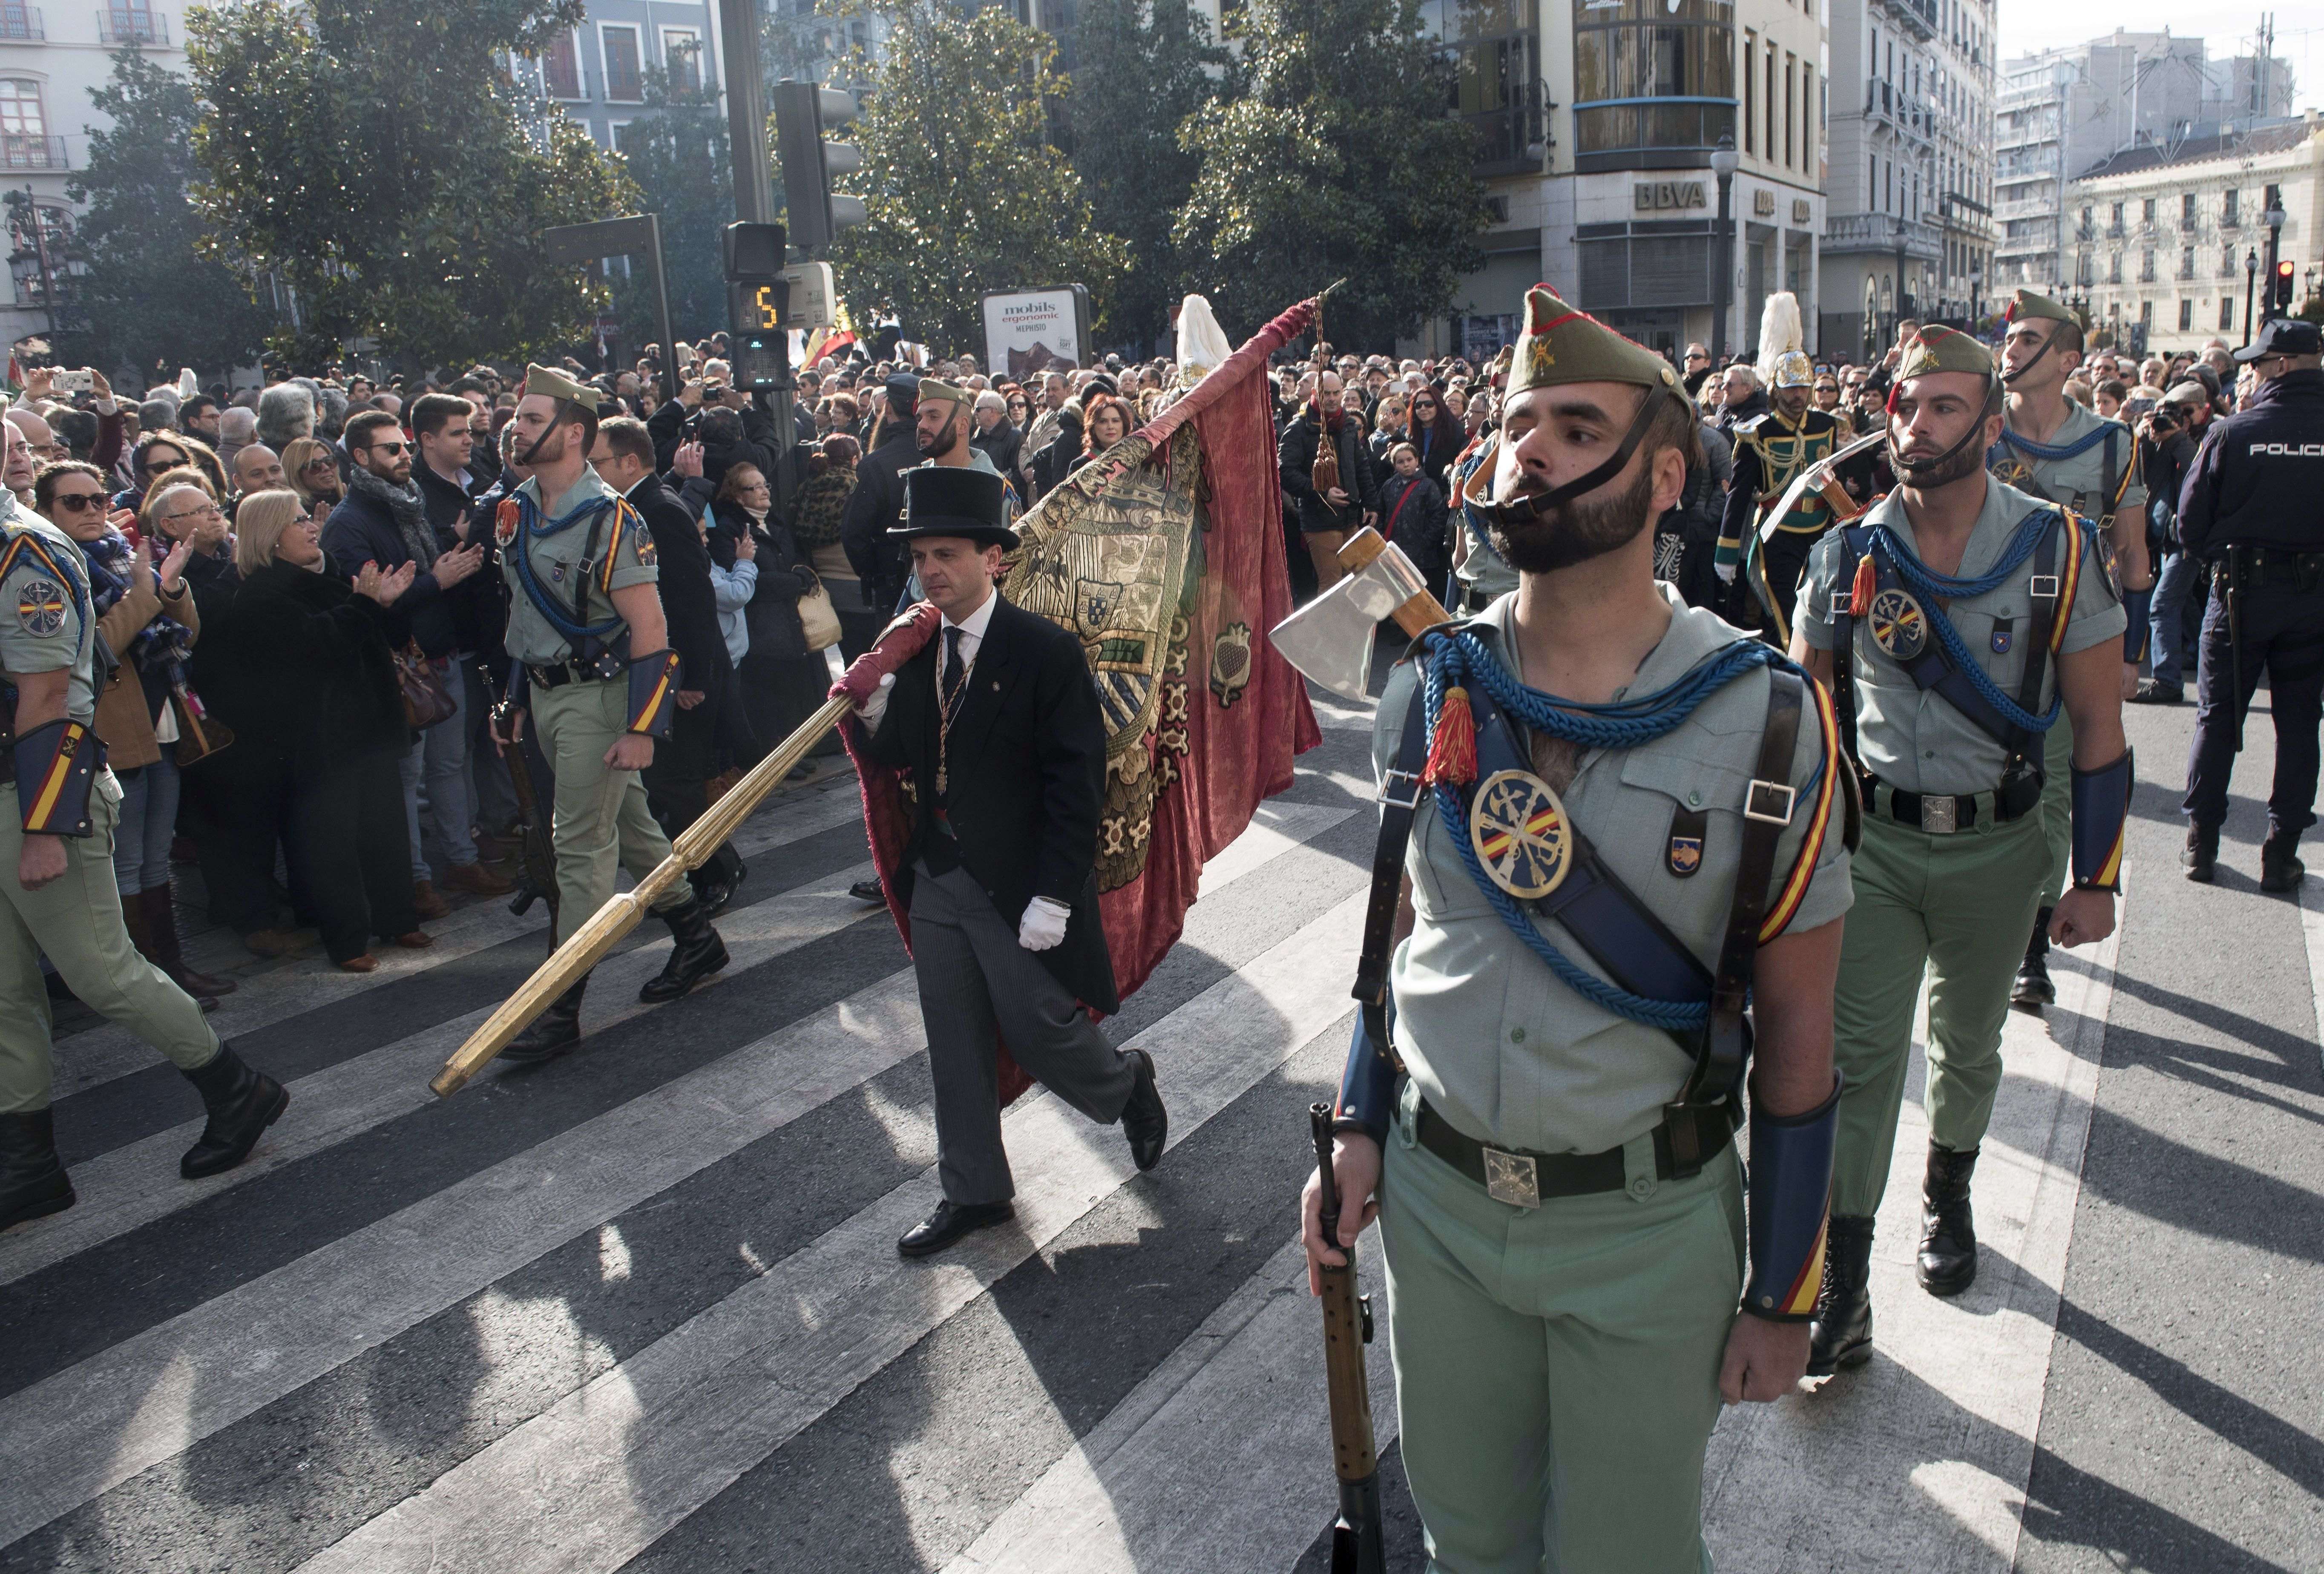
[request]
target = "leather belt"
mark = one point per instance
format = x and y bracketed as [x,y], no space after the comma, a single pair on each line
[1944,813]
[1524,1179]
[561,674]
[2270,566]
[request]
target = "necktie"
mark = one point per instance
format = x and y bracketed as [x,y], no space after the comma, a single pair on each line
[955,671]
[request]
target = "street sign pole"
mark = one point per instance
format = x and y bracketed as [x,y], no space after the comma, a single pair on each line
[754,200]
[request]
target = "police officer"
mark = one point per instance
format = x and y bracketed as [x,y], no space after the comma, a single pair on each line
[2249,512]
[1629,816]
[2055,450]
[1955,622]
[59,805]
[590,662]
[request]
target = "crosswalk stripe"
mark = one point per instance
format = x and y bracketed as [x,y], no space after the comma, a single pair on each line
[642,1447]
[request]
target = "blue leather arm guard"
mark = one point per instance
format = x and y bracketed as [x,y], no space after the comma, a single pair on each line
[1791,1203]
[56,770]
[2139,605]
[1367,1101]
[520,686]
[653,692]
[2101,804]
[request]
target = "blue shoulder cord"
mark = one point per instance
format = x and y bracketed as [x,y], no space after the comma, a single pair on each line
[1925,582]
[529,529]
[1616,725]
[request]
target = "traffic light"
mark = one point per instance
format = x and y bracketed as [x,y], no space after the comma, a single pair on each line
[2280,299]
[756,306]
[802,111]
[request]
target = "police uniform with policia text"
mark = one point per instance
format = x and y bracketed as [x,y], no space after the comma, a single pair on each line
[54,784]
[1946,686]
[572,668]
[1552,1073]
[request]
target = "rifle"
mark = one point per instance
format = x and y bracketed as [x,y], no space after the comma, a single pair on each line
[537,877]
[1356,1536]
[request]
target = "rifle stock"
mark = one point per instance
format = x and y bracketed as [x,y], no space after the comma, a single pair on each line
[537,872]
[1357,1543]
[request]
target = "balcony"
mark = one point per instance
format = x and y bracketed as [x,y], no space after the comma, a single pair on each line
[1856,234]
[20,151]
[1919,16]
[121,24]
[20,23]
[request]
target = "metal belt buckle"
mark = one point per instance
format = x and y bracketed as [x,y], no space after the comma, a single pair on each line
[1771,801]
[1411,800]
[1939,815]
[2042,587]
[1843,602]
[1509,1178]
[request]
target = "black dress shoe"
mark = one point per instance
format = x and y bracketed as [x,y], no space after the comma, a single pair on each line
[2201,858]
[2151,692]
[1839,1335]
[949,1222]
[553,1032]
[867,891]
[2033,991]
[242,1104]
[32,1183]
[1948,1257]
[716,894]
[697,953]
[2279,870]
[1143,1119]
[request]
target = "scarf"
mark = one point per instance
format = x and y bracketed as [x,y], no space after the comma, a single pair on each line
[410,511]
[161,647]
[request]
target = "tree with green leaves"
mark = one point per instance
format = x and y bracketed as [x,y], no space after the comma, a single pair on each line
[1141,69]
[676,153]
[966,194]
[1334,155]
[375,157]
[149,299]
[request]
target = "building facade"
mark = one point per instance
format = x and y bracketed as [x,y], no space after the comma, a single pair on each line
[596,72]
[2169,245]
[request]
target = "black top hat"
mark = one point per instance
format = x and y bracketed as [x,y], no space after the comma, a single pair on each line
[955,500]
[2284,335]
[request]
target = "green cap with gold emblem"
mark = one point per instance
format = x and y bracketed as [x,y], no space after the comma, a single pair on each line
[2026,304]
[1943,349]
[550,383]
[1561,345]
[934,391]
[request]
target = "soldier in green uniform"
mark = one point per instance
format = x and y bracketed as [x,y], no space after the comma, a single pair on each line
[1956,622]
[1607,815]
[2056,451]
[590,661]
[58,808]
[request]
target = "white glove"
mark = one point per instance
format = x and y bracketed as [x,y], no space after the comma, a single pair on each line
[1043,925]
[870,712]
[1726,571]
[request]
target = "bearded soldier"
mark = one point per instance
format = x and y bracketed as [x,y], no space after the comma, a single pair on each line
[1956,622]
[2058,452]
[1770,450]
[1606,816]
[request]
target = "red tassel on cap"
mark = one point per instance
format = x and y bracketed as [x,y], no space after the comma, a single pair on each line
[1452,752]
[1859,594]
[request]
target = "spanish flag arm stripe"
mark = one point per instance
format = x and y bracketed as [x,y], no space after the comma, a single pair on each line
[2070,582]
[1802,1298]
[52,787]
[1795,889]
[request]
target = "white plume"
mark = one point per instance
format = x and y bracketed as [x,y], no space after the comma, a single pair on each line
[1780,333]
[1202,343]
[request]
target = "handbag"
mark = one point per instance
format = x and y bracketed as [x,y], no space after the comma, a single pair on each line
[199,734]
[425,700]
[818,619]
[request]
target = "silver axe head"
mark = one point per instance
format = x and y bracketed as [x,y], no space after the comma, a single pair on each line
[1330,639]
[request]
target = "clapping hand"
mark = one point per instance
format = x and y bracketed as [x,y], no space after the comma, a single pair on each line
[173,567]
[384,588]
[688,460]
[452,568]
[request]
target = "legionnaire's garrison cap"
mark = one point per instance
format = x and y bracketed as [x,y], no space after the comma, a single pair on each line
[551,383]
[1943,349]
[1560,345]
[2026,304]
[953,499]
[935,391]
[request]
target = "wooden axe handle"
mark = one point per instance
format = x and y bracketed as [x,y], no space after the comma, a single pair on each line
[1422,613]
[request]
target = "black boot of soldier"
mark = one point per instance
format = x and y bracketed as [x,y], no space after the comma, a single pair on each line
[2279,868]
[242,1104]
[32,1183]
[2202,855]
[1840,1333]
[2033,991]
[1948,1263]
[697,953]
[553,1032]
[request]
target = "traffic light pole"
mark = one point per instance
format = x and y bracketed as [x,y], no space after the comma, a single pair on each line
[746,136]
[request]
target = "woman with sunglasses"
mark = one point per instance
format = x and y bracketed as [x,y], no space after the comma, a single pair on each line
[313,473]
[1434,429]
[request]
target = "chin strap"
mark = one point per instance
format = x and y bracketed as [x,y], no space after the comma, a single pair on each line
[1908,467]
[56,770]
[2101,800]
[1790,1205]
[1530,506]
[653,692]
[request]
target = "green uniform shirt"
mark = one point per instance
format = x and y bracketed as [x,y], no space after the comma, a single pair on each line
[1914,739]
[2081,481]
[557,568]
[43,594]
[1494,1039]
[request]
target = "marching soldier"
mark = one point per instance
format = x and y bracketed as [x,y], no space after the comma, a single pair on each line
[589,660]
[58,808]
[2055,451]
[1955,622]
[1608,815]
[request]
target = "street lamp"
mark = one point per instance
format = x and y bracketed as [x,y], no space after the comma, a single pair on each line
[2251,279]
[1723,164]
[2273,219]
[1975,284]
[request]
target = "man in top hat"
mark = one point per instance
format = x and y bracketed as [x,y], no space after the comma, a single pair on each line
[1955,622]
[998,722]
[2056,450]
[2249,511]
[590,662]
[1548,1118]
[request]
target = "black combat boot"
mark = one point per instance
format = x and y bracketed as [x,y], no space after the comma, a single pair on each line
[242,1104]
[1948,1263]
[1840,1333]
[697,953]
[2033,991]
[32,1183]
[2279,868]
[2202,854]
[553,1032]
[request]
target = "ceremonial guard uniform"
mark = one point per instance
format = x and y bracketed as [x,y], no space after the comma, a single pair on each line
[1561,1202]
[2089,464]
[1771,450]
[1945,686]
[54,784]
[573,670]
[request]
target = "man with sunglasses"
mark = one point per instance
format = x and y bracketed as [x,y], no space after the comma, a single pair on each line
[1698,368]
[2248,510]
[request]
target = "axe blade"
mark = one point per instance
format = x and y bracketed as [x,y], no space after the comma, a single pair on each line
[1329,641]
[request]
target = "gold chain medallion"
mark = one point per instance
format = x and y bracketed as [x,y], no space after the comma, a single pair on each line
[1899,626]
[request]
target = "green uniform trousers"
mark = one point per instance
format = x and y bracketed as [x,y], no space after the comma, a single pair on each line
[600,820]
[2058,806]
[1957,908]
[1557,1368]
[76,921]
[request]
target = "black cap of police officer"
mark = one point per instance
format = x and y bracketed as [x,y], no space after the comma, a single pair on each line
[2284,335]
